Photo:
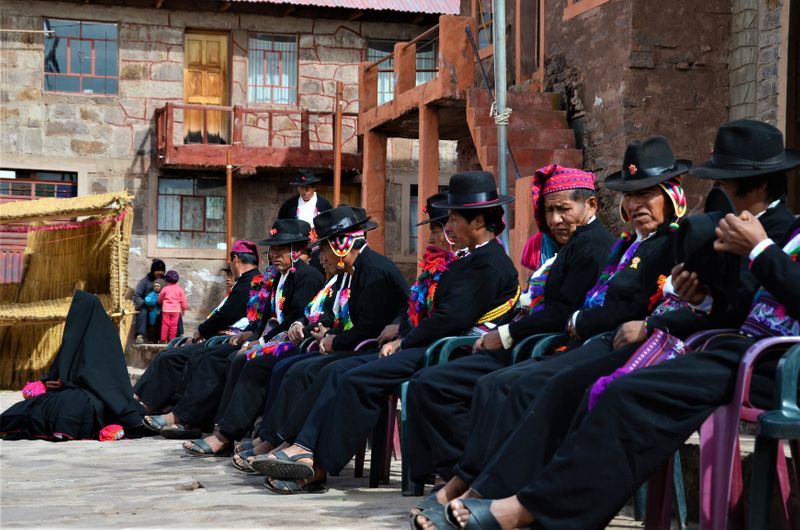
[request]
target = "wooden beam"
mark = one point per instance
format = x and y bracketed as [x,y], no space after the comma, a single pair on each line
[159,3]
[288,11]
[225,7]
[355,15]
[418,19]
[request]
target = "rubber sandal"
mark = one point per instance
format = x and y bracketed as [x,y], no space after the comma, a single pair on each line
[290,487]
[201,449]
[246,445]
[433,515]
[181,432]
[428,503]
[239,461]
[480,516]
[155,423]
[284,466]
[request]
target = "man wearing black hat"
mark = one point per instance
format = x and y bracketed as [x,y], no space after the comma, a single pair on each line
[477,293]
[291,284]
[642,418]
[160,382]
[307,203]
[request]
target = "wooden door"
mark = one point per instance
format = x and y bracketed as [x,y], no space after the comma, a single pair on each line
[205,82]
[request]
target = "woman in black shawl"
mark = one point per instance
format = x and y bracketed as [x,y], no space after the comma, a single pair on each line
[87,384]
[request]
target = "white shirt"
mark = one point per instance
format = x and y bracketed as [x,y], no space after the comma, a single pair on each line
[306,210]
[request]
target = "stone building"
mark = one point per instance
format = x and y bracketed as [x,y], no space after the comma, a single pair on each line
[153,96]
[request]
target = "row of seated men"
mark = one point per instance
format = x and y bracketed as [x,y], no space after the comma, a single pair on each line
[292,394]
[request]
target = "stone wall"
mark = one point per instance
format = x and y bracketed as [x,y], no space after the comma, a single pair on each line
[109,140]
[626,74]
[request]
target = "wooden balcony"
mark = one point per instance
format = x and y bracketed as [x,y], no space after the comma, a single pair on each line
[255,138]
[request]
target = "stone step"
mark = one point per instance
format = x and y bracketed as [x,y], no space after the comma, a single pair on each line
[533,158]
[517,97]
[523,135]
[134,374]
[530,117]
[140,355]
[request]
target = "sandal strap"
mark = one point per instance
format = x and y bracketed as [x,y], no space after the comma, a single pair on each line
[480,514]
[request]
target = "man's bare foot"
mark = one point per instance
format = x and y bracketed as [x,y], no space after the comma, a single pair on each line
[217,442]
[453,489]
[508,512]
[239,447]
[290,451]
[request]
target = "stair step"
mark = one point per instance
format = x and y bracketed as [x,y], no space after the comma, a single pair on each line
[140,355]
[534,158]
[479,97]
[521,136]
[540,119]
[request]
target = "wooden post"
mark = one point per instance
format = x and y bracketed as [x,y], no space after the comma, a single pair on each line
[428,176]
[373,186]
[229,205]
[337,145]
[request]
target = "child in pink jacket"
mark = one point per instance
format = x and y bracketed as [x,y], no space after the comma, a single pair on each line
[172,300]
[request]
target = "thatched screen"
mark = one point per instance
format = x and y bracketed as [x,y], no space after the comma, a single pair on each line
[79,243]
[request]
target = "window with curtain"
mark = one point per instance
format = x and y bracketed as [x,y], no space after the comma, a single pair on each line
[80,57]
[191,213]
[272,69]
[426,65]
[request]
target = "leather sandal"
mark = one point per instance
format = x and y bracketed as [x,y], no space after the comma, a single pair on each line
[480,516]
[282,466]
[201,449]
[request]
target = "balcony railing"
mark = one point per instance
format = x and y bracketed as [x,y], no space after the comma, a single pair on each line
[201,135]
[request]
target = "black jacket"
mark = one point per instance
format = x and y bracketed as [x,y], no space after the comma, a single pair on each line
[471,287]
[629,292]
[780,274]
[288,209]
[377,293]
[298,290]
[727,312]
[232,310]
[574,271]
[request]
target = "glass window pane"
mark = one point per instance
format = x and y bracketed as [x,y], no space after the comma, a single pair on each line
[176,186]
[63,28]
[99,85]
[105,58]
[192,213]
[169,212]
[62,83]
[55,55]
[99,30]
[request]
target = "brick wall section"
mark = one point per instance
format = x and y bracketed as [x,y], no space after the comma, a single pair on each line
[110,138]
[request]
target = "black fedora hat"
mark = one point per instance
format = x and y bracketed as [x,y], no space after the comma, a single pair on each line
[286,232]
[470,190]
[435,214]
[694,245]
[747,148]
[305,177]
[341,220]
[646,163]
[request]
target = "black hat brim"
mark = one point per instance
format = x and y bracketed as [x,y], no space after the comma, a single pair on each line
[274,242]
[499,201]
[307,182]
[615,182]
[441,220]
[366,226]
[711,171]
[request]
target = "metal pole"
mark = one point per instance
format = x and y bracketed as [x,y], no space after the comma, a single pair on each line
[499,41]
[337,145]
[229,205]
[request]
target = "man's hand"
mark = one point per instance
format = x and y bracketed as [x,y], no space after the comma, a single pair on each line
[687,286]
[738,235]
[241,338]
[318,332]
[326,344]
[629,333]
[389,333]
[390,348]
[295,333]
[196,337]
[488,341]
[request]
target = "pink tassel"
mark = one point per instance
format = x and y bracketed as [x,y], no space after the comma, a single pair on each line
[111,433]
[33,389]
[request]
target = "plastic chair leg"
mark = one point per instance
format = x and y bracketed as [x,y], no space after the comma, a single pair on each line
[680,493]
[718,450]
[761,482]
[659,499]
[378,446]
[358,471]
[640,503]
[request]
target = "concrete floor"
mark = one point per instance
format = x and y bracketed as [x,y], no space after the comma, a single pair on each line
[150,483]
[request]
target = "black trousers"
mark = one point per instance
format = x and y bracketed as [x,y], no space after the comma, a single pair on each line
[294,385]
[205,382]
[640,420]
[542,428]
[279,372]
[361,395]
[164,378]
[309,416]
[246,389]
[438,409]
[502,398]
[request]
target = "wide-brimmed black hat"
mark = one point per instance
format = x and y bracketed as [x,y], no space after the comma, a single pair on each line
[435,214]
[747,148]
[694,245]
[340,221]
[471,190]
[646,163]
[305,177]
[286,232]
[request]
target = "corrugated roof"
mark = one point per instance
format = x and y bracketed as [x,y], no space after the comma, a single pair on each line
[444,7]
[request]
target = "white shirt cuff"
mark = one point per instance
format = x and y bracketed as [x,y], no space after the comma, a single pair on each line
[574,319]
[759,248]
[705,305]
[505,336]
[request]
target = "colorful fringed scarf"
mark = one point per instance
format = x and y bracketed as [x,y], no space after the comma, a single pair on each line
[260,294]
[621,254]
[277,347]
[315,308]
[277,301]
[768,317]
[434,263]
[341,307]
[536,284]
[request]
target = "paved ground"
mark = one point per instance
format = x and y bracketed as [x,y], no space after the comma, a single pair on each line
[149,483]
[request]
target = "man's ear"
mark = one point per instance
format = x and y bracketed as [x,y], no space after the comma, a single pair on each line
[592,203]
[478,222]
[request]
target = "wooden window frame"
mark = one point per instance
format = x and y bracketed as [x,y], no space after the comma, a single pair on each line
[81,76]
[296,88]
[488,50]
[577,7]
